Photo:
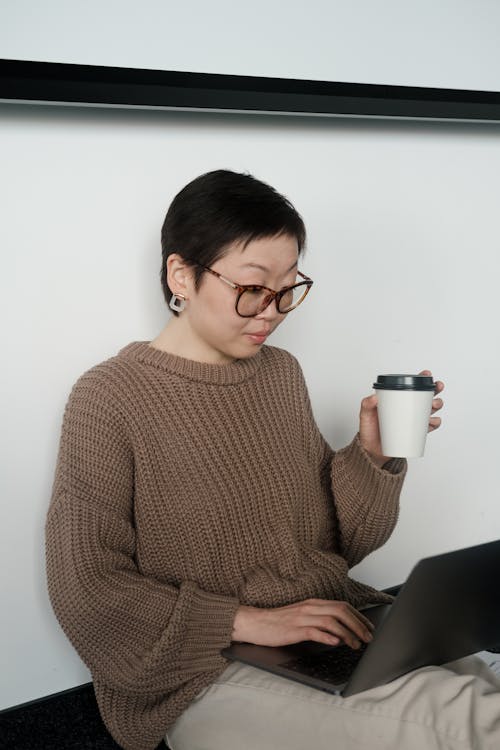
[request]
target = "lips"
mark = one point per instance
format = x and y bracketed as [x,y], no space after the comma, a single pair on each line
[259,336]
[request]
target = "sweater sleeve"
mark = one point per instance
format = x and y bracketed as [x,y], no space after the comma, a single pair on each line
[366,500]
[134,632]
[365,497]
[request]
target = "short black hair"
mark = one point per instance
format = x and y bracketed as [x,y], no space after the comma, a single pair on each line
[219,208]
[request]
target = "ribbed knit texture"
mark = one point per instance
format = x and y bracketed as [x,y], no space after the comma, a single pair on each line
[181,490]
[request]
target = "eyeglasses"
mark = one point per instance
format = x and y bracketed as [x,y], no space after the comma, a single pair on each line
[253,299]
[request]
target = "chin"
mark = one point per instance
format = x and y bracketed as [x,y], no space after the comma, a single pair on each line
[250,351]
[243,352]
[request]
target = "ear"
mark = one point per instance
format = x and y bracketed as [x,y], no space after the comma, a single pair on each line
[179,275]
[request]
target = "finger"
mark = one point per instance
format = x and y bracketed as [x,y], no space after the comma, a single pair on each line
[342,611]
[437,403]
[336,628]
[332,606]
[351,619]
[369,403]
[434,423]
[365,620]
[318,635]
[439,385]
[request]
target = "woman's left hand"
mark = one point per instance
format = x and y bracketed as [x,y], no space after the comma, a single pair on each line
[368,423]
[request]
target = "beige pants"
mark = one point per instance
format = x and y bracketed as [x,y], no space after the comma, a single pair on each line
[452,707]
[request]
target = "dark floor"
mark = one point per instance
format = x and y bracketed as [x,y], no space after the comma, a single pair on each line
[67,721]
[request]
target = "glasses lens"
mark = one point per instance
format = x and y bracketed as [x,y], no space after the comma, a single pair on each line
[252,301]
[292,298]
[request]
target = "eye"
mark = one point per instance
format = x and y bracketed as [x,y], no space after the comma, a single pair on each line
[254,290]
[287,297]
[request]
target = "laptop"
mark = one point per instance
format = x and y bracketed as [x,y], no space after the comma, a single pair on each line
[448,608]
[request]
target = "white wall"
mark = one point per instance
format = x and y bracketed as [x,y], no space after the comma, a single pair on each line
[404,249]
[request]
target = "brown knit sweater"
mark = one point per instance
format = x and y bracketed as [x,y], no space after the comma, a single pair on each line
[183,489]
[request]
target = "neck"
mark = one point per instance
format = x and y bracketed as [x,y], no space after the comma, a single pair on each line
[179,338]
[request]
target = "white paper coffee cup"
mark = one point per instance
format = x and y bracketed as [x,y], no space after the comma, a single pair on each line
[404,408]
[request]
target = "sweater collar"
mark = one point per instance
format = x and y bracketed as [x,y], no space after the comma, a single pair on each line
[219,374]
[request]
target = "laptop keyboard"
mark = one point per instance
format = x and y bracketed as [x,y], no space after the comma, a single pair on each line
[334,666]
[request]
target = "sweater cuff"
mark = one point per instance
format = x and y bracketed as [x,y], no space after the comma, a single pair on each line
[395,465]
[366,478]
[207,629]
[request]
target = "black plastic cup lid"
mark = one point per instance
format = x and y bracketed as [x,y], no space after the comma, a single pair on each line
[405,383]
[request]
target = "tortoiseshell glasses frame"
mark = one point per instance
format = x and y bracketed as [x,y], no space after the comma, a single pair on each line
[286,299]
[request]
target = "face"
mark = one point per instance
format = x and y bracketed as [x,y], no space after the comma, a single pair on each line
[210,314]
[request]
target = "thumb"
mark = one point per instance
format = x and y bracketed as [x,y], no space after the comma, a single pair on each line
[369,404]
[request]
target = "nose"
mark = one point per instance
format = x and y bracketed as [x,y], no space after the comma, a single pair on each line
[270,313]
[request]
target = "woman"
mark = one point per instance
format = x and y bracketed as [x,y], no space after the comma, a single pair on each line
[195,502]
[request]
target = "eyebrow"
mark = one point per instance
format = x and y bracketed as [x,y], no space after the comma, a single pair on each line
[266,270]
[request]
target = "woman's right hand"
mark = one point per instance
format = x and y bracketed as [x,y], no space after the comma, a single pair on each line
[322,620]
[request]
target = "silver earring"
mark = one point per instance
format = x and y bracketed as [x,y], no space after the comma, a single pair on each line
[177,302]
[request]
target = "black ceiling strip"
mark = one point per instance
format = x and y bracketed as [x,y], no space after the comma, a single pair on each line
[65,83]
